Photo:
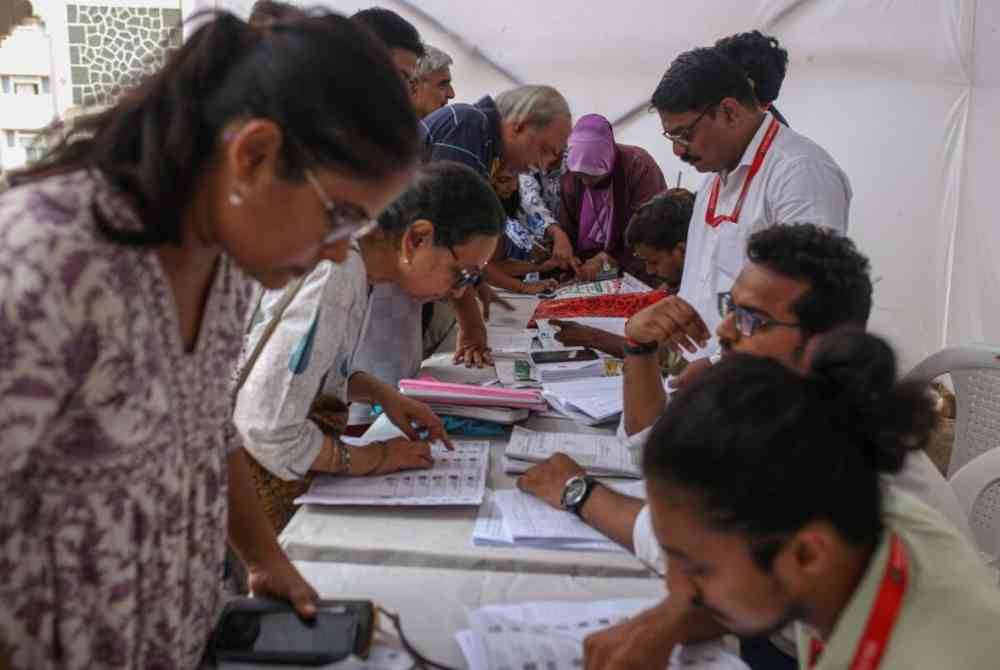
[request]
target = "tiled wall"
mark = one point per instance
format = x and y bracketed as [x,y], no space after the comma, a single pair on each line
[110,45]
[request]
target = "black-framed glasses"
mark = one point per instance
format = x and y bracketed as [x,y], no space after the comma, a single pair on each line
[420,662]
[466,276]
[747,321]
[347,221]
[683,135]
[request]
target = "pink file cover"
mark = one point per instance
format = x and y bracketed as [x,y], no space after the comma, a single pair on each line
[469,394]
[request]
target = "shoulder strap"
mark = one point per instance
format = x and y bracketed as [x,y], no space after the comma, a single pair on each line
[286,300]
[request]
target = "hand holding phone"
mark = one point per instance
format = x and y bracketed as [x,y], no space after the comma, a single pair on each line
[270,631]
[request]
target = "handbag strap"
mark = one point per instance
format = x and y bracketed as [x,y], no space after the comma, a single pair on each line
[272,325]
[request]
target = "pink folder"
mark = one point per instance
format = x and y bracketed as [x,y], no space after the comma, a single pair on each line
[469,394]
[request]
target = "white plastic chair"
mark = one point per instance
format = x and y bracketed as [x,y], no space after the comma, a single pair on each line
[977,487]
[975,374]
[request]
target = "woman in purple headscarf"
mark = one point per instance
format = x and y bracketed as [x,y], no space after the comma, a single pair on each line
[605,183]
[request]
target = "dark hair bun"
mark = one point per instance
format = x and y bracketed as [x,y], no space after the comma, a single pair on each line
[856,373]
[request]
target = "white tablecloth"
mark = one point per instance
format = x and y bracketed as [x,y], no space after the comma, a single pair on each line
[433,603]
[439,537]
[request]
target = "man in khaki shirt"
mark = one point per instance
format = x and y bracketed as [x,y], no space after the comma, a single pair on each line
[949,613]
[766,492]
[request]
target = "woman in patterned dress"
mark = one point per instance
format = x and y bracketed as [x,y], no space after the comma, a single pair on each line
[127,261]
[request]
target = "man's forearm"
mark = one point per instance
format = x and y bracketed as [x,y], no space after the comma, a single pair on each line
[612,513]
[644,394]
[500,278]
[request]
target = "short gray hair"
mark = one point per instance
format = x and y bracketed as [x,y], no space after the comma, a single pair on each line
[534,105]
[433,60]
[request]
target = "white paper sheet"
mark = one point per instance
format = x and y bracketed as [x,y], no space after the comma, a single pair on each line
[510,340]
[457,478]
[529,519]
[506,374]
[491,530]
[551,634]
[601,398]
[598,454]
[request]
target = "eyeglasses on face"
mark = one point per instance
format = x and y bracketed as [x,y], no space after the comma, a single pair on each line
[684,134]
[748,322]
[347,221]
[467,276]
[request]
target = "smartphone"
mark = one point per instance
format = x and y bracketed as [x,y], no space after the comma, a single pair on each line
[568,356]
[269,631]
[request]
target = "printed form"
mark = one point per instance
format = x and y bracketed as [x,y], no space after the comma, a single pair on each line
[457,478]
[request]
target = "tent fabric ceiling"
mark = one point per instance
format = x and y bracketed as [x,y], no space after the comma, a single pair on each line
[900,93]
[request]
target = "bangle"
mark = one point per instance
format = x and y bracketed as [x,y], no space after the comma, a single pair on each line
[344,466]
[633,348]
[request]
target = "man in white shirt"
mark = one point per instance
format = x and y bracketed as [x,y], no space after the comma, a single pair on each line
[759,173]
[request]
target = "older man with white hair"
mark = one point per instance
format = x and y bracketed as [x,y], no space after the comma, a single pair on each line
[432,81]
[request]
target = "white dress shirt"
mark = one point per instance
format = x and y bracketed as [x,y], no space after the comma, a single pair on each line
[798,182]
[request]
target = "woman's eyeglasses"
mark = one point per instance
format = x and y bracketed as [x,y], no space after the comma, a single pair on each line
[466,276]
[347,221]
[748,322]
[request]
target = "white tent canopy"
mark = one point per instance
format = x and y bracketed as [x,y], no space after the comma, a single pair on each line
[900,93]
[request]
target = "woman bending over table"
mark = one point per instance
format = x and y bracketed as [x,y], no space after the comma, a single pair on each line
[432,243]
[127,264]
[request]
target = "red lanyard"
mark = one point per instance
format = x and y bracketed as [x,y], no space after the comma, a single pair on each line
[758,160]
[883,616]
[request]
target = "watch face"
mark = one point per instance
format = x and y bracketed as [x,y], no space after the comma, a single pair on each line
[574,492]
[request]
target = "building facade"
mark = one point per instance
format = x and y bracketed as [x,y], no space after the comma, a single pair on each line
[72,55]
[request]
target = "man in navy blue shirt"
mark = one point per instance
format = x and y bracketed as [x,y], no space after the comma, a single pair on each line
[523,128]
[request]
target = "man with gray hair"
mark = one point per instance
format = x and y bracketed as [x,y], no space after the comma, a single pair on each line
[524,127]
[432,85]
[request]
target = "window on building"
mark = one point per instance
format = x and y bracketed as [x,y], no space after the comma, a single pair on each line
[11,138]
[32,143]
[27,85]
[5,84]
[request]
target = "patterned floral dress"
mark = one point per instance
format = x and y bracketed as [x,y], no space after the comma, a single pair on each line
[113,440]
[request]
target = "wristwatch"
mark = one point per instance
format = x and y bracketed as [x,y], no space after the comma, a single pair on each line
[575,492]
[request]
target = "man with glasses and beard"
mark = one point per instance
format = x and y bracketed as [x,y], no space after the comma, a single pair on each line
[799,283]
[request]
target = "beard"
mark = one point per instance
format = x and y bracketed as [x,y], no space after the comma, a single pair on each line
[794,612]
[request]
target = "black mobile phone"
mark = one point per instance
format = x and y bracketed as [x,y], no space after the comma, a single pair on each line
[269,631]
[568,356]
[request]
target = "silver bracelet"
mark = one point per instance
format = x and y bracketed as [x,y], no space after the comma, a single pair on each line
[345,458]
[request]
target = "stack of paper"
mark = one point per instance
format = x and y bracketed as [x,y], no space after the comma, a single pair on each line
[511,518]
[457,478]
[551,634]
[593,400]
[624,284]
[549,373]
[599,455]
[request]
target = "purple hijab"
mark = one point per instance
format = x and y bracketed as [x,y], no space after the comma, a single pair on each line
[592,152]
